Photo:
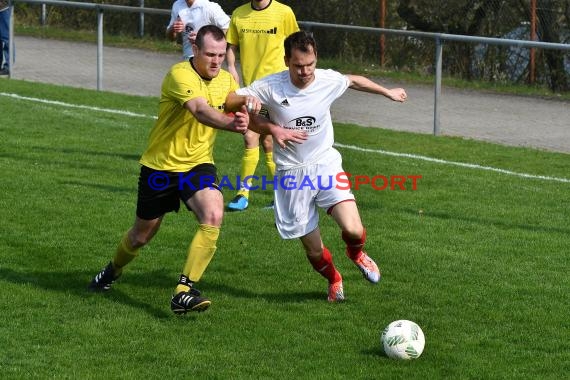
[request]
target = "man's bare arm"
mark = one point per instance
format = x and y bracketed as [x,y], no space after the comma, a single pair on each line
[231,60]
[212,118]
[360,83]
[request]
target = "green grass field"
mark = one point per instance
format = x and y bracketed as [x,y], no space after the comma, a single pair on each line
[478,258]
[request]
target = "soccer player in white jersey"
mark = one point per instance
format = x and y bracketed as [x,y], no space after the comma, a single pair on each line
[300,99]
[188,16]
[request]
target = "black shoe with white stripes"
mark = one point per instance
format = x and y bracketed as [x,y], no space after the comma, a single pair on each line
[184,302]
[104,279]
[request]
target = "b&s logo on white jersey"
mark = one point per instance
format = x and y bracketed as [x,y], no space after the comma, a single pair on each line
[304,123]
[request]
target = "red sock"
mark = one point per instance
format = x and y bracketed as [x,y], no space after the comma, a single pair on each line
[354,246]
[326,268]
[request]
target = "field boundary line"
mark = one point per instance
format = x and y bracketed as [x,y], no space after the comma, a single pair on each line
[453,163]
[70,105]
[351,147]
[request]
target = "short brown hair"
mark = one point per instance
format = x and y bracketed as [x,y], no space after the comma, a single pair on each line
[217,33]
[300,40]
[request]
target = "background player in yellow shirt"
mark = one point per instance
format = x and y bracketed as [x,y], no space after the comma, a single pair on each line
[258,29]
[178,165]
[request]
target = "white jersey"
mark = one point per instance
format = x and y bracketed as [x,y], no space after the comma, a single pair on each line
[201,13]
[305,109]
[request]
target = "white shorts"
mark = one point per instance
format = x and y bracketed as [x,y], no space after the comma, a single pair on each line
[302,190]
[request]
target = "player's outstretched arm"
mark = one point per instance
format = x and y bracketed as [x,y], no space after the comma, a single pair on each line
[208,116]
[360,83]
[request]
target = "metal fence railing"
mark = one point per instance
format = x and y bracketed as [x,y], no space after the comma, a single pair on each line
[437,38]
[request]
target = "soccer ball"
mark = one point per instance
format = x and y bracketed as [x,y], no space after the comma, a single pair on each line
[403,340]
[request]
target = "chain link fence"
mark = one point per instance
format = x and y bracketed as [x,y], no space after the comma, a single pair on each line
[543,20]
[540,20]
[495,117]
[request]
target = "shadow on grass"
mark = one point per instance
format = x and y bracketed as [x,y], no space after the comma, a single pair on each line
[124,156]
[375,351]
[76,282]
[273,297]
[98,186]
[31,155]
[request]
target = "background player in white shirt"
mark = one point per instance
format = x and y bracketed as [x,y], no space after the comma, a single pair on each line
[188,16]
[300,99]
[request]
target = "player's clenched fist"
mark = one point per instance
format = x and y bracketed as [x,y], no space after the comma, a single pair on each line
[178,26]
[241,120]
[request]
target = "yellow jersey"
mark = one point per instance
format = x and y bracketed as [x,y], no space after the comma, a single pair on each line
[260,35]
[178,141]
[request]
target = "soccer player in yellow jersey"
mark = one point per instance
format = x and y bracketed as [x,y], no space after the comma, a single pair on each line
[178,165]
[258,29]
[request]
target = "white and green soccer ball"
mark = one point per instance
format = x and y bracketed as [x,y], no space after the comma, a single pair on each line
[403,339]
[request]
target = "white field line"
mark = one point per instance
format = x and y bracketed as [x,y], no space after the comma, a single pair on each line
[454,163]
[351,147]
[58,103]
